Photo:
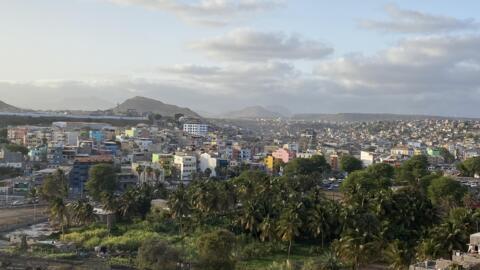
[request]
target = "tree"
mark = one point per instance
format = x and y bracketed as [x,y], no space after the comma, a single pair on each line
[413,170]
[139,169]
[102,181]
[59,213]
[54,186]
[17,148]
[154,254]
[81,212]
[215,250]
[360,187]
[470,167]
[179,205]
[307,166]
[446,192]
[288,227]
[33,195]
[350,163]
[398,256]
[381,170]
[446,155]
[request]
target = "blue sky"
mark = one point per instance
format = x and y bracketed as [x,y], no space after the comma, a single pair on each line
[216,55]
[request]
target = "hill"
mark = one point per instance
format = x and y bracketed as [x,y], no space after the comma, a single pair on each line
[4,107]
[365,117]
[252,112]
[146,105]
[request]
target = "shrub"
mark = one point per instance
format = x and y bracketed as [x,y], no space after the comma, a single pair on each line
[154,254]
[130,241]
[215,250]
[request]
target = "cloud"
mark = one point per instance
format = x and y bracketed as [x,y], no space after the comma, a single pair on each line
[415,22]
[207,12]
[433,65]
[249,45]
[429,75]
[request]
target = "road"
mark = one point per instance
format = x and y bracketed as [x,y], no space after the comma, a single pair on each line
[10,217]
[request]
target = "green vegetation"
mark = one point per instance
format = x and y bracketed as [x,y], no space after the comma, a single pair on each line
[259,221]
[350,163]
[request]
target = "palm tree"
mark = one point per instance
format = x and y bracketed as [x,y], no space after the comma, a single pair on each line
[110,205]
[398,257]
[180,205]
[157,173]
[318,221]
[149,171]
[33,194]
[288,227]
[126,204]
[267,229]
[139,169]
[59,213]
[82,212]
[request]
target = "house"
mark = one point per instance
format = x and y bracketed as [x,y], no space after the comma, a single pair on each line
[284,154]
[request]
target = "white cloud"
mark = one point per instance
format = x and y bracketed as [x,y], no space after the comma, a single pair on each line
[206,12]
[420,65]
[250,45]
[415,22]
[429,75]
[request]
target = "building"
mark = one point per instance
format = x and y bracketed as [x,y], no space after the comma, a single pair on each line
[284,155]
[97,136]
[196,129]
[401,150]
[367,158]
[206,161]
[10,159]
[269,162]
[80,171]
[187,166]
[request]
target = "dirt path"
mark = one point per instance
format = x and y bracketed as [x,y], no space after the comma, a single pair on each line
[24,215]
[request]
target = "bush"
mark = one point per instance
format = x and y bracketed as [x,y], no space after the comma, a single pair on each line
[256,249]
[215,250]
[86,238]
[154,254]
[130,241]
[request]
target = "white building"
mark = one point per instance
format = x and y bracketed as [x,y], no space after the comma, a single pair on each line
[208,162]
[196,129]
[367,158]
[186,164]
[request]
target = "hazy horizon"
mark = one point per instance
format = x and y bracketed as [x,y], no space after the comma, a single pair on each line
[401,57]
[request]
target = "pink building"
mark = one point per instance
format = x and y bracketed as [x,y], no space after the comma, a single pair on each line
[284,154]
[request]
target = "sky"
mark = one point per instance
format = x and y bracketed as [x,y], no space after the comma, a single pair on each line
[309,56]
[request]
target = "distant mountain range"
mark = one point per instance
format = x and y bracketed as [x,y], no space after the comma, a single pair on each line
[144,105]
[366,117]
[4,107]
[252,112]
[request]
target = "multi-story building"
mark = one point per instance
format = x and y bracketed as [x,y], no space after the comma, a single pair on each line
[187,166]
[80,171]
[196,129]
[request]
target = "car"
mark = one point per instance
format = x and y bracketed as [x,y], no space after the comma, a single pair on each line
[17,203]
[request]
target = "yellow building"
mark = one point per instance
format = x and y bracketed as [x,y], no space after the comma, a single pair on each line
[269,160]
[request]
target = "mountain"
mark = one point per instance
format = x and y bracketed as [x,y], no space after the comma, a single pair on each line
[366,117]
[4,107]
[252,113]
[279,109]
[145,105]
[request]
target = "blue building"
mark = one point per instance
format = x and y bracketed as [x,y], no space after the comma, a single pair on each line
[80,171]
[97,136]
